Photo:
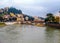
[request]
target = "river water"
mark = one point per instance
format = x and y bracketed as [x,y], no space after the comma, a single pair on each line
[28,34]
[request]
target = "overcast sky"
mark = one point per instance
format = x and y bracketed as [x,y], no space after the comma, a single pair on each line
[33,7]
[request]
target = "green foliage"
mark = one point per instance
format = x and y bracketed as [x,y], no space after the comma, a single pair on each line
[49,14]
[14,10]
[50,17]
[1,15]
[11,10]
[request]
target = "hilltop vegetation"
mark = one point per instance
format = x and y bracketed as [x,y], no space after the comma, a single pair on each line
[14,10]
[10,10]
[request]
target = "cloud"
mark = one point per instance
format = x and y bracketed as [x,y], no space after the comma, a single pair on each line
[33,7]
[34,10]
[23,1]
[5,3]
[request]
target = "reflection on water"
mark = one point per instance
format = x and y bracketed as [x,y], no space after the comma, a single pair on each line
[29,34]
[52,35]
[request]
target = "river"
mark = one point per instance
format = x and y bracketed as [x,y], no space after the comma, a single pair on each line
[28,34]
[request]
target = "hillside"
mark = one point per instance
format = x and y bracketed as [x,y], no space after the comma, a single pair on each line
[8,10]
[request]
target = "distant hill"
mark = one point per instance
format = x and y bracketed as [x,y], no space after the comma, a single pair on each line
[8,10]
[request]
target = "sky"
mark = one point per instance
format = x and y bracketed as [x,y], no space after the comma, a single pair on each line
[33,7]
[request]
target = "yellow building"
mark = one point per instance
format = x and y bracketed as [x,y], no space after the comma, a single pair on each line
[12,14]
[57,19]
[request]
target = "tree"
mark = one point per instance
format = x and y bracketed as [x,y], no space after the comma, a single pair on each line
[14,10]
[49,18]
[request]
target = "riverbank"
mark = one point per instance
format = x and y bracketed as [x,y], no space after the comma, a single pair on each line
[55,25]
[26,23]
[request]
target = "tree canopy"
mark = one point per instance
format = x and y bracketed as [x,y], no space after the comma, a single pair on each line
[14,10]
[50,17]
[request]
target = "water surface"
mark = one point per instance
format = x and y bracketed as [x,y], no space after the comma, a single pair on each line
[29,34]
